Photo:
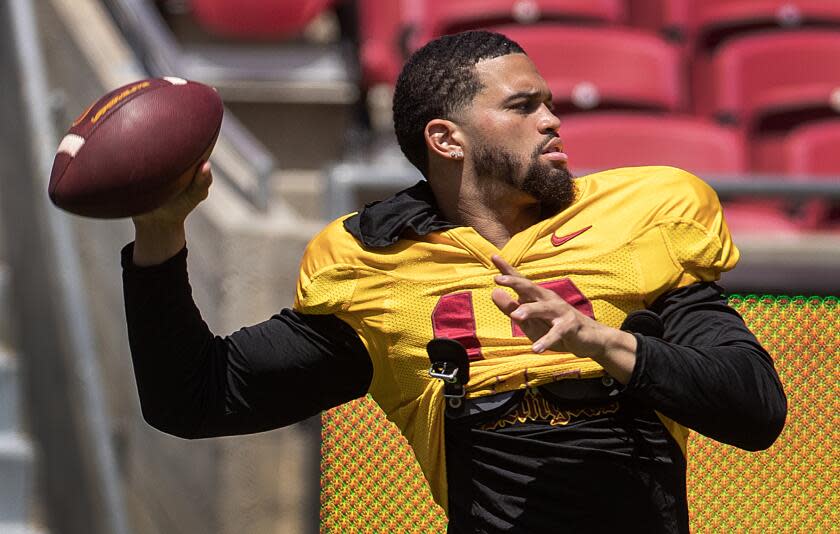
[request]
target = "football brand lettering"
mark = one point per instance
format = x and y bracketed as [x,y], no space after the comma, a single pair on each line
[81,117]
[117,99]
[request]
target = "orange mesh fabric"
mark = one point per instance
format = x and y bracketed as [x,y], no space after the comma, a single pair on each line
[793,485]
[370,481]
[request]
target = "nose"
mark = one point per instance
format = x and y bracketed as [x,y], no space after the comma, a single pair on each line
[549,122]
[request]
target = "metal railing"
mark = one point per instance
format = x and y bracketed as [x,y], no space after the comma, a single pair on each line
[82,492]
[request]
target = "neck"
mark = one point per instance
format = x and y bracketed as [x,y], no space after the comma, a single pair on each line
[496,213]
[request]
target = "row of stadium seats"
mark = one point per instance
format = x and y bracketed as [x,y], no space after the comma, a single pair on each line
[703,24]
[696,23]
[618,138]
[689,26]
[744,82]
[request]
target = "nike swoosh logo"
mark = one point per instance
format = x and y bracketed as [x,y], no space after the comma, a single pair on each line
[557,241]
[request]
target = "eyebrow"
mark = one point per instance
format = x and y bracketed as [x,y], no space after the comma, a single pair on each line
[525,95]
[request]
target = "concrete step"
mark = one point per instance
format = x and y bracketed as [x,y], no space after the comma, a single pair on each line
[16,474]
[9,392]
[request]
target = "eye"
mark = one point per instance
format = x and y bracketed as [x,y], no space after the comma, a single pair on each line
[525,106]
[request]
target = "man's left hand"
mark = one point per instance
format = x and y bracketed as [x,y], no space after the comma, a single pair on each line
[553,324]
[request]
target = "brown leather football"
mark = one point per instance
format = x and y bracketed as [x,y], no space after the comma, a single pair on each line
[135,148]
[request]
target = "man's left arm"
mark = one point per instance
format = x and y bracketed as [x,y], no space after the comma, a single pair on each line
[708,373]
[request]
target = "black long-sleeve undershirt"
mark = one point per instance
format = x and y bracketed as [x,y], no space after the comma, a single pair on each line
[709,373]
[193,384]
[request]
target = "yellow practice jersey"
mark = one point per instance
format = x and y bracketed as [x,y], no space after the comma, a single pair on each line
[631,235]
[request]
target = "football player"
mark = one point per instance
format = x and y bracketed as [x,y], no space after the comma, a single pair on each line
[575,418]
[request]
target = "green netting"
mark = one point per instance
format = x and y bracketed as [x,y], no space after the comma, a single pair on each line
[370,482]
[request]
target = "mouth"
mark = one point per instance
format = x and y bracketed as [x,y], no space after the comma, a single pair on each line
[554,151]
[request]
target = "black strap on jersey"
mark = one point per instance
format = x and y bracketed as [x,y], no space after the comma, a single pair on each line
[450,364]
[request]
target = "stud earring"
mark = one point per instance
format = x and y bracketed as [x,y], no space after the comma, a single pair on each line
[456,154]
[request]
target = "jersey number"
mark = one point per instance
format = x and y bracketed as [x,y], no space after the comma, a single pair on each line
[454,316]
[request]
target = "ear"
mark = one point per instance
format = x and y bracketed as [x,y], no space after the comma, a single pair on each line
[445,138]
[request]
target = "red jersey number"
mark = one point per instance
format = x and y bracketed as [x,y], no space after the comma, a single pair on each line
[454,316]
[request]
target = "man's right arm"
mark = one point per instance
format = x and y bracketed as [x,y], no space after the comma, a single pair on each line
[193,384]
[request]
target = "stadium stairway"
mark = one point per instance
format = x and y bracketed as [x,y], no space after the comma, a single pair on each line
[17,459]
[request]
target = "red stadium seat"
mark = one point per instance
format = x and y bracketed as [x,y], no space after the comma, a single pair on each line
[784,74]
[708,22]
[257,19]
[590,68]
[714,20]
[667,17]
[380,26]
[432,18]
[597,141]
[810,152]
[814,149]
[767,153]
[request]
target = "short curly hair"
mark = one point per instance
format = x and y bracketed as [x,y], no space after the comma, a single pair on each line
[437,81]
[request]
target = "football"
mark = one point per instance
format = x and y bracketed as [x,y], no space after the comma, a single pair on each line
[135,148]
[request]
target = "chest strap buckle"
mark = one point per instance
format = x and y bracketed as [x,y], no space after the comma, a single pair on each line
[450,364]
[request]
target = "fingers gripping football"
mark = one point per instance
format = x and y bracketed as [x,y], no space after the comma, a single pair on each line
[177,209]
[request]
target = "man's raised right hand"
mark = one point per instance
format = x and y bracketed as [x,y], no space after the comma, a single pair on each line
[159,234]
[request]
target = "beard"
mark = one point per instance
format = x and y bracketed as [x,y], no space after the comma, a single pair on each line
[551,186]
